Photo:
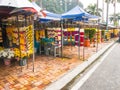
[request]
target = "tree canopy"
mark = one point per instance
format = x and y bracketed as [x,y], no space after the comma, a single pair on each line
[112,1]
[59,6]
[117,18]
[92,9]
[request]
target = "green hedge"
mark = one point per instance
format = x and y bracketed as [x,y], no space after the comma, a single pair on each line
[90,33]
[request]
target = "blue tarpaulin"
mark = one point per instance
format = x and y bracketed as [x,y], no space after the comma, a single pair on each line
[73,13]
[78,14]
[50,16]
[44,20]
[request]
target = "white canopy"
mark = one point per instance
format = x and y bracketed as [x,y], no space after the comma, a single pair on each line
[38,8]
[49,18]
[16,3]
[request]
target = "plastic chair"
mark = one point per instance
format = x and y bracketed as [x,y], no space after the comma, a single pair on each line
[55,51]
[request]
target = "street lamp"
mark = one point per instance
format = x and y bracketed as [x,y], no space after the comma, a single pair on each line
[65,6]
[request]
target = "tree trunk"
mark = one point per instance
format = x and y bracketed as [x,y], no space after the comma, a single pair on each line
[97,7]
[107,14]
[65,5]
[103,11]
[41,3]
[114,4]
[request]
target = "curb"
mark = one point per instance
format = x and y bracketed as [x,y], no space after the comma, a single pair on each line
[64,80]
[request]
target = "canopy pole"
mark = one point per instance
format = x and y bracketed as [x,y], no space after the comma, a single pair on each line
[97,29]
[61,38]
[71,36]
[33,47]
[26,42]
[33,60]
[97,39]
[19,38]
[83,42]
[79,43]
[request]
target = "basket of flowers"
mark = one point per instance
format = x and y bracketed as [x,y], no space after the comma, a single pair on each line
[7,55]
[21,56]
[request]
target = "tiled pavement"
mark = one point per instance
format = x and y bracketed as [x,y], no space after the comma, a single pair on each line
[47,70]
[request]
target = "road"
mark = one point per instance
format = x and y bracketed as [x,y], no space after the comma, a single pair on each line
[105,75]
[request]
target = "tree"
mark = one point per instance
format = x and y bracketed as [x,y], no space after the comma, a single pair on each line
[117,18]
[114,5]
[58,6]
[103,10]
[72,3]
[92,9]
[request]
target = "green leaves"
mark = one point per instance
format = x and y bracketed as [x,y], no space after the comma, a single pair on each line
[90,33]
[92,9]
[115,18]
[112,1]
[59,6]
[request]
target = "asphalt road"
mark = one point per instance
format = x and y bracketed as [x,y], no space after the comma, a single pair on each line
[107,74]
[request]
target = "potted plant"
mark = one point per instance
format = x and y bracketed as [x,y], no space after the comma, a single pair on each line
[87,40]
[86,32]
[102,35]
[7,55]
[23,61]
[92,32]
[21,56]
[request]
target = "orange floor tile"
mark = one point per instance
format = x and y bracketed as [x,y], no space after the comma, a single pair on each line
[47,69]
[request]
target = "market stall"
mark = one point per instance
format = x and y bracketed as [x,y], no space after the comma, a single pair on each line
[48,33]
[48,39]
[18,32]
[18,38]
[77,14]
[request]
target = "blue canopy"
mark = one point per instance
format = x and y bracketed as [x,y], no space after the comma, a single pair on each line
[42,20]
[48,15]
[76,13]
[51,16]
[73,13]
[87,15]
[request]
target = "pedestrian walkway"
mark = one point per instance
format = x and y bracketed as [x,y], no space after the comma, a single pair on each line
[47,70]
[107,75]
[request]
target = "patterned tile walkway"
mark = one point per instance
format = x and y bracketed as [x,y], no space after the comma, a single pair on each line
[47,70]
